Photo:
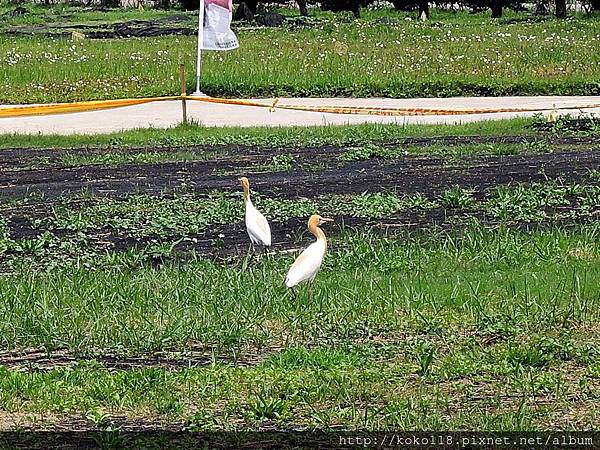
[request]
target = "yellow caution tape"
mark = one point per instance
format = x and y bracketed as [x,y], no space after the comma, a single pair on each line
[64,108]
[389,111]
[427,111]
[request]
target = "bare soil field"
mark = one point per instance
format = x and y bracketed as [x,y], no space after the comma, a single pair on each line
[310,173]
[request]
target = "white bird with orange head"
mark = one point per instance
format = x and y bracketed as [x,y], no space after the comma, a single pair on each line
[309,262]
[256,225]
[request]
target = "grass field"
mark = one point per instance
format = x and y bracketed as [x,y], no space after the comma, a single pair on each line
[461,289]
[193,135]
[382,54]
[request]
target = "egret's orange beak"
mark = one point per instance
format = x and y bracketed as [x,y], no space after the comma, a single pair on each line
[325,219]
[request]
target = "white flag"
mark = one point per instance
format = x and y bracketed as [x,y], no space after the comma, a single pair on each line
[217,26]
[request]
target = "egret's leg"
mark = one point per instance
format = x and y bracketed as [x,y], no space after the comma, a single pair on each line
[320,303]
[248,257]
[252,251]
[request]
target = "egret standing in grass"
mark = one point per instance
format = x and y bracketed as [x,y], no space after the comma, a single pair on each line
[256,224]
[309,262]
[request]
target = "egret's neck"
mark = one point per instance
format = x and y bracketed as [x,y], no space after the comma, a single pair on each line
[319,234]
[247,194]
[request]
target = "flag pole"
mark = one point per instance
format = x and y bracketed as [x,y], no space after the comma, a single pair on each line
[198,92]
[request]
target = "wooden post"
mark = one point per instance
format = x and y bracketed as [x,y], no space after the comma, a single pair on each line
[183,91]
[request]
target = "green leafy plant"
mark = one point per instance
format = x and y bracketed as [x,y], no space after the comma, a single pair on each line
[368,151]
[281,162]
[267,407]
[458,197]
[425,354]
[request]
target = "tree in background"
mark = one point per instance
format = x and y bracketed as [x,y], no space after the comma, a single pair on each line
[252,5]
[497,7]
[561,8]
[590,6]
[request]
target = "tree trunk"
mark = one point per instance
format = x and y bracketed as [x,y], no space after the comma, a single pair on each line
[355,8]
[496,9]
[252,5]
[424,8]
[595,4]
[561,9]
[303,8]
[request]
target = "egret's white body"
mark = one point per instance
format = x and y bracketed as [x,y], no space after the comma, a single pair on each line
[306,265]
[309,262]
[256,225]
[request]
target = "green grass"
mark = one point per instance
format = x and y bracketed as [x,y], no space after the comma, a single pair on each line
[389,345]
[175,305]
[187,135]
[327,387]
[453,54]
[133,158]
[480,326]
[370,150]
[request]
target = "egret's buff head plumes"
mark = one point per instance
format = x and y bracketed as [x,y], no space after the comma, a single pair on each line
[246,186]
[245,182]
[315,221]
